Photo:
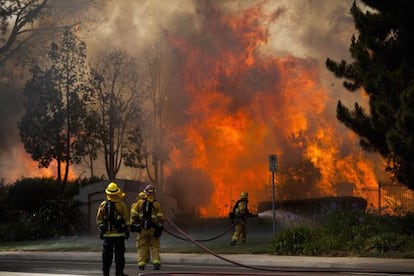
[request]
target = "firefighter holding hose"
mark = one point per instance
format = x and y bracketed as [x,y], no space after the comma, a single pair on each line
[239,215]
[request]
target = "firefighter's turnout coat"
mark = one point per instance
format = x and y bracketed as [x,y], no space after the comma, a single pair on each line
[149,218]
[121,214]
[240,212]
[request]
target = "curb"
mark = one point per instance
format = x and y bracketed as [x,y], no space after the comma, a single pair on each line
[280,262]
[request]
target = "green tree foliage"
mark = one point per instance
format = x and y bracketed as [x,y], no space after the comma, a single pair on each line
[56,101]
[383,65]
[119,97]
[40,127]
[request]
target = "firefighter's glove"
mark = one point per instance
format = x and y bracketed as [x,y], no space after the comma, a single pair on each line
[136,227]
[158,229]
[120,226]
[126,234]
[102,227]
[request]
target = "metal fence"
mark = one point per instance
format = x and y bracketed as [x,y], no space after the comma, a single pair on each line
[388,199]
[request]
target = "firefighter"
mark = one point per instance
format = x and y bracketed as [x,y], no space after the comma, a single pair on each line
[141,196]
[147,220]
[112,219]
[238,215]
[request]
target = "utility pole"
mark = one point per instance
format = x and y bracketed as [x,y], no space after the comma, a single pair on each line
[273,168]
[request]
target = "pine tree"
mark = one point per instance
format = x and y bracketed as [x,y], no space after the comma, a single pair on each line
[383,65]
[56,101]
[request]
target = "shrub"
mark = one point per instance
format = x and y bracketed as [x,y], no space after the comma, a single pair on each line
[4,193]
[27,227]
[29,194]
[349,233]
[385,242]
[293,241]
[36,209]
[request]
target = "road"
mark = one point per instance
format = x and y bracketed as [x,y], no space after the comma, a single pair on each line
[72,263]
[88,267]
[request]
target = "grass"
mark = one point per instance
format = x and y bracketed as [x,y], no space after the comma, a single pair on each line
[258,242]
[368,238]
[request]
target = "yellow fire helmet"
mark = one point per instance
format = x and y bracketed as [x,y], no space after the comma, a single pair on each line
[244,195]
[112,189]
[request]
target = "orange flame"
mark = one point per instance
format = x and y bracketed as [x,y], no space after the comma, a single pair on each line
[245,105]
[29,168]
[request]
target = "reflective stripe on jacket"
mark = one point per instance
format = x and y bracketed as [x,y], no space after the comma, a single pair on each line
[137,211]
[121,209]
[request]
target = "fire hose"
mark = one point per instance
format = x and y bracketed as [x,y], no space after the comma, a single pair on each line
[281,269]
[187,237]
[203,240]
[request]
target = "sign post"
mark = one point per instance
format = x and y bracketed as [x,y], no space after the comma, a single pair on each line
[273,168]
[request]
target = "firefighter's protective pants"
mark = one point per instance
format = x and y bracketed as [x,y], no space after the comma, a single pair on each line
[148,244]
[239,231]
[110,246]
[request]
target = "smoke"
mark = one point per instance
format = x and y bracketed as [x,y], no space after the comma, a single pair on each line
[10,111]
[304,31]
[192,189]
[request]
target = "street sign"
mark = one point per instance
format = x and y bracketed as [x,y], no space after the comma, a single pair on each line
[273,162]
[273,168]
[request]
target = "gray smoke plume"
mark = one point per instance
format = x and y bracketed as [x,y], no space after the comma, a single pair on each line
[306,30]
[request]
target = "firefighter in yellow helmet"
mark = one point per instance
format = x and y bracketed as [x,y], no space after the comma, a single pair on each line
[238,215]
[112,219]
[147,219]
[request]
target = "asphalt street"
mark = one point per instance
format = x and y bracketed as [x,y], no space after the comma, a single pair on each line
[383,266]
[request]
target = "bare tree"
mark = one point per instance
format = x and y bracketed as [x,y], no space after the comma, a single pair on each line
[119,100]
[16,23]
[28,26]
[158,77]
